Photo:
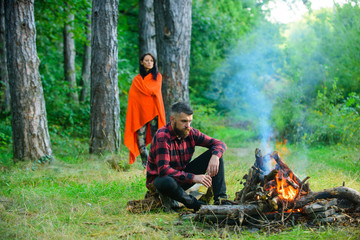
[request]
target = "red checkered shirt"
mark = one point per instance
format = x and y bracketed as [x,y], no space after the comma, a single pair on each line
[169,155]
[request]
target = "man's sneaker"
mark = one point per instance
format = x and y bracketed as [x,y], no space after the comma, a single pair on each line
[198,205]
[169,203]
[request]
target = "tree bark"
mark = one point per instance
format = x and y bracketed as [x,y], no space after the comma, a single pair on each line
[69,56]
[4,77]
[147,42]
[105,107]
[29,123]
[173,36]
[85,76]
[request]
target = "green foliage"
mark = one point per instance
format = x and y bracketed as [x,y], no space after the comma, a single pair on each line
[69,119]
[5,132]
[250,73]
[128,35]
[216,28]
[68,148]
[218,125]
[335,123]
[331,120]
[323,47]
[248,80]
[319,104]
[65,117]
[207,119]
[232,60]
[290,115]
[236,137]
[342,47]
[128,52]
[305,64]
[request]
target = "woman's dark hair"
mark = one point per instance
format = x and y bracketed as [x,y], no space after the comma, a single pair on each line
[142,70]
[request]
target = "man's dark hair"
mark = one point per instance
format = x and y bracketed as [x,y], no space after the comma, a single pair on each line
[181,107]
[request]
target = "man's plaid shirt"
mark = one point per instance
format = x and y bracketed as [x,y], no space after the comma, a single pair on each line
[169,155]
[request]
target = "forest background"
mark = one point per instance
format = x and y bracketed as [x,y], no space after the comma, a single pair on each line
[304,75]
[250,80]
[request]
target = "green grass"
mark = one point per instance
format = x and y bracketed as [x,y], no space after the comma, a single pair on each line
[79,196]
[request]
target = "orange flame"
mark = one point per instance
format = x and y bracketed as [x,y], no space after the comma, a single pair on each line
[285,190]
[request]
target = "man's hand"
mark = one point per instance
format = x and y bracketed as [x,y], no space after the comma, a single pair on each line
[203,179]
[213,167]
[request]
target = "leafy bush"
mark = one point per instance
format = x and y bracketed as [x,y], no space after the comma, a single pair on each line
[69,119]
[5,132]
[332,119]
[319,104]
[206,119]
[332,123]
[289,115]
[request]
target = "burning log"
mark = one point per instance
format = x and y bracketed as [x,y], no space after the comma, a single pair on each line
[257,175]
[291,183]
[271,175]
[284,167]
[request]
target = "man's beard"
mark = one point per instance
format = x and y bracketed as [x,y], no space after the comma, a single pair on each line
[183,133]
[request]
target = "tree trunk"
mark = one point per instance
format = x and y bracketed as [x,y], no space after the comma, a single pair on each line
[147,42]
[105,107]
[69,56]
[85,76]
[4,78]
[173,36]
[29,123]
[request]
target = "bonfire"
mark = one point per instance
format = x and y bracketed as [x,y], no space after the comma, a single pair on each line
[274,194]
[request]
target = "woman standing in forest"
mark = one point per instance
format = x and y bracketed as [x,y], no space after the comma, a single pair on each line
[145,110]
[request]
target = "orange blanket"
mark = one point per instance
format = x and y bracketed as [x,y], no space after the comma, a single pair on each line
[144,104]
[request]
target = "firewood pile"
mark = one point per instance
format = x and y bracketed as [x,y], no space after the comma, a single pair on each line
[273,194]
[150,202]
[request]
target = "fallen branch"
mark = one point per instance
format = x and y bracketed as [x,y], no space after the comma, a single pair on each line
[233,211]
[339,192]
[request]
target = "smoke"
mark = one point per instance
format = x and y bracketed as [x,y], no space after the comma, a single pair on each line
[249,78]
[301,163]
